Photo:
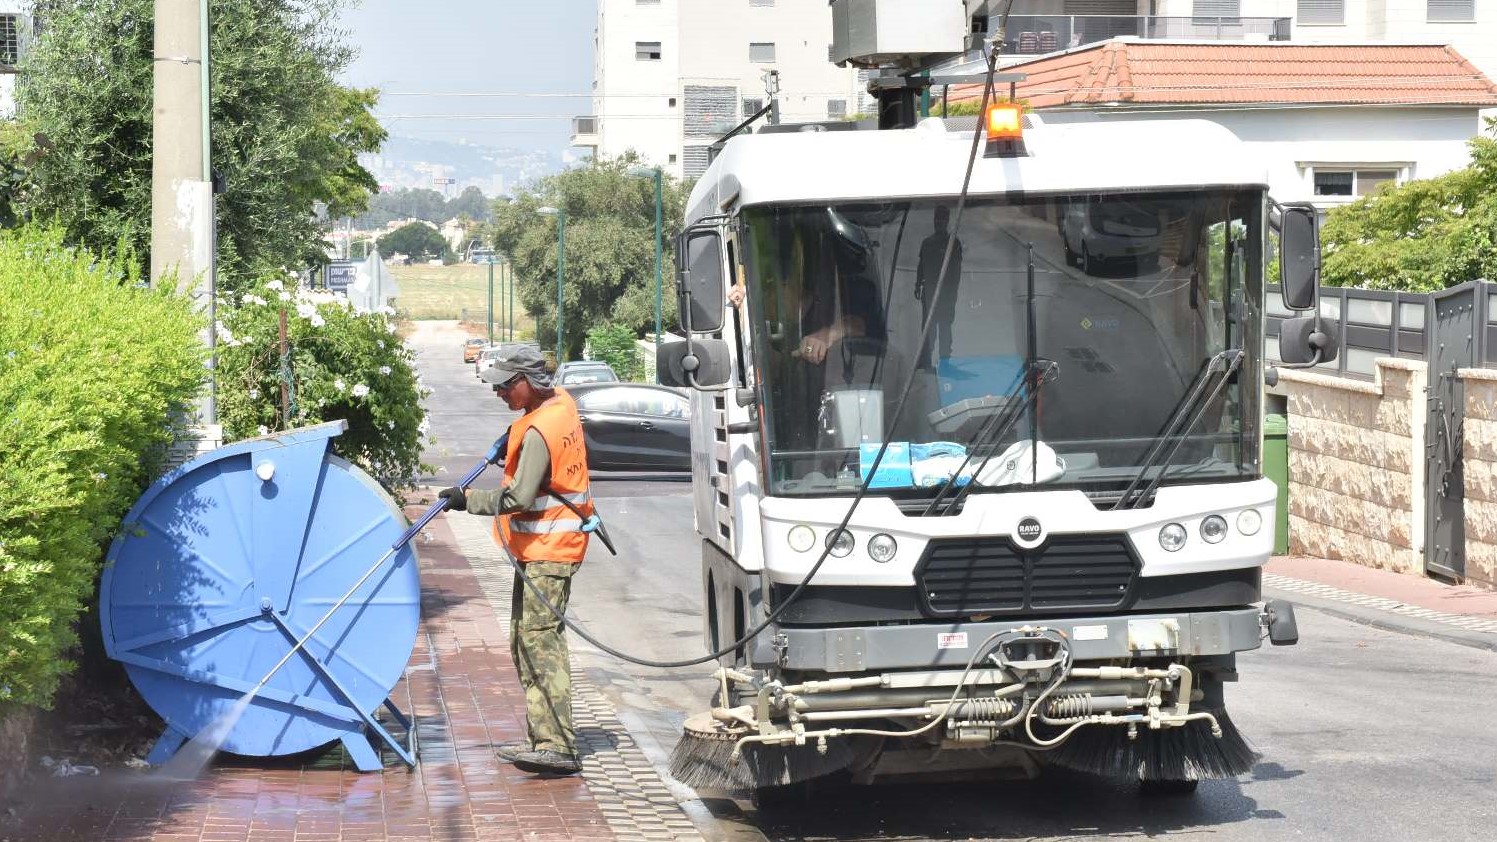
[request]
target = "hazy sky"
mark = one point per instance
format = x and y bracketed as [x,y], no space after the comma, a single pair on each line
[476,47]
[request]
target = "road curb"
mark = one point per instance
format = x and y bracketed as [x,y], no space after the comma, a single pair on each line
[1384,620]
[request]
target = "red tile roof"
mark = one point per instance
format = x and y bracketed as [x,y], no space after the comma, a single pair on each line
[1134,72]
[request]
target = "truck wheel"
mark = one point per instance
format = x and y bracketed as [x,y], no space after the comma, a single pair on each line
[1167,789]
[1090,265]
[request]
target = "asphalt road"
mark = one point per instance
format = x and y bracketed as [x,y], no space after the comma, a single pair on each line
[1366,734]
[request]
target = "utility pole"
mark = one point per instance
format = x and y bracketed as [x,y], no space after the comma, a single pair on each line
[182,217]
[181,184]
[772,91]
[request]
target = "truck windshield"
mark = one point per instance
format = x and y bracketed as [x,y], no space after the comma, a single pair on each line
[1120,299]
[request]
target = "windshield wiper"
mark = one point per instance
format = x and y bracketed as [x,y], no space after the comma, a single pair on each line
[1187,413]
[1031,379]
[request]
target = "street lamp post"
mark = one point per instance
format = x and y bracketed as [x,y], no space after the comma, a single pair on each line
[655,173]
[561,264]
[509,279]
[491,299]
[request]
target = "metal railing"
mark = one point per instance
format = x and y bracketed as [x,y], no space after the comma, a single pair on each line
[1377,323]
[1037,34]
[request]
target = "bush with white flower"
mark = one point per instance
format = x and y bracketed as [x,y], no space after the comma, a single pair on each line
[341,365]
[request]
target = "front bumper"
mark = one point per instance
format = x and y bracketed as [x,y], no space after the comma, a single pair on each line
[1096,638]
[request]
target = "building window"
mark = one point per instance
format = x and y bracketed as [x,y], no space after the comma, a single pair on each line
[672,158]
[751,107]
[761,52]
[695,162]
[1320,11]
[836,109]
[647,50]
[709,110]
[1349,183]
[1216,8]
[10,40]
[673,102]
[1451,11]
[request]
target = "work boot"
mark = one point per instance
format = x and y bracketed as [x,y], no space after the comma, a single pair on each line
[509,751]
[547,762]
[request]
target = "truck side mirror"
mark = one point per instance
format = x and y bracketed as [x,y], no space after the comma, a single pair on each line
[1299,256]
[1307,341]
[700,280]
[699,364]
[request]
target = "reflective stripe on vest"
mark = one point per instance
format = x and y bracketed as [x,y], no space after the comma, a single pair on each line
[546,526]
[547,530]
[549,501]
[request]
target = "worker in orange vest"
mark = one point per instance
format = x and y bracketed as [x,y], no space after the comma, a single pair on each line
[540,512]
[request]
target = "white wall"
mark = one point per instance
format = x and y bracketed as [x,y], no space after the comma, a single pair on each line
[632,97]
[715,50]
[706,42]
[1420,141]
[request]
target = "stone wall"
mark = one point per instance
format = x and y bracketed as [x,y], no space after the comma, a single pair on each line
[1356,463]
[1480,464]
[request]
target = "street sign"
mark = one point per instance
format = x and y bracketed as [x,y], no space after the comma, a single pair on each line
[339,274]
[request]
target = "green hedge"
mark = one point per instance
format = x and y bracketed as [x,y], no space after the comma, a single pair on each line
[92,364]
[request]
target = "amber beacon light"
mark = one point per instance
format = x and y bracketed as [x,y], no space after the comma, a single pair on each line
[1005,129]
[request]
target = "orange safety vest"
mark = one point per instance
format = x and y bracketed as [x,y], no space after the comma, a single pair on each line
[548,530]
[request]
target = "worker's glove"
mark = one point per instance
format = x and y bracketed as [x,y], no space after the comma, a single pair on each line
[457,501]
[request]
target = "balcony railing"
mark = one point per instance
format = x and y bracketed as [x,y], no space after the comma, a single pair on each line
[1038,34]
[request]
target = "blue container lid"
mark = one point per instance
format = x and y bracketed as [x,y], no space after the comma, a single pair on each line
[210,544]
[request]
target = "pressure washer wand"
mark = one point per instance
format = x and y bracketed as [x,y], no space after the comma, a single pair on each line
[436,508]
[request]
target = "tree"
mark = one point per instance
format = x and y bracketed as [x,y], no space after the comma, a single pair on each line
[415,239]
[472,203]
[285,135]
[1420,236]
[610,249]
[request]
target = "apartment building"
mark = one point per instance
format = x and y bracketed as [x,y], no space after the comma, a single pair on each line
[671,76]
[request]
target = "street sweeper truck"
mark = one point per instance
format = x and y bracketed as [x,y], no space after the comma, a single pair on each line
[977,444]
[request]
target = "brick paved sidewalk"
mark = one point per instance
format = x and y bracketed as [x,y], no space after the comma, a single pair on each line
[1384,598]
[462,688]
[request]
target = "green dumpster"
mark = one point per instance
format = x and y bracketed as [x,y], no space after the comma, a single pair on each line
[1276,468]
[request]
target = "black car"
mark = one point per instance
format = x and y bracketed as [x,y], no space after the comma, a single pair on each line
[634,426]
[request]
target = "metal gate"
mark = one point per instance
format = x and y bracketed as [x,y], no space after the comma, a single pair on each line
[1457,333]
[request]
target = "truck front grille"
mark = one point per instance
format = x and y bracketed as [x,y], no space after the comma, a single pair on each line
[963,576]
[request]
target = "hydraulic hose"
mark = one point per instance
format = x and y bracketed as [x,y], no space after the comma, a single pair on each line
[909,382]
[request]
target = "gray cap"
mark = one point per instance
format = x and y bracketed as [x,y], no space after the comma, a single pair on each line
[518,359]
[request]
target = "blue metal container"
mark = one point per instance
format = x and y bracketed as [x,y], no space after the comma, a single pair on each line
[225,563]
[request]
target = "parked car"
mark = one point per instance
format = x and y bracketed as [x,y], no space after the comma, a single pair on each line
[485,358]
[472,348]
[1097,234]
[487,355]
[577,373]
[634,426]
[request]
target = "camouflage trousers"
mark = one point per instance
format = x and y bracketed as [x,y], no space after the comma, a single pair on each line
[539,649]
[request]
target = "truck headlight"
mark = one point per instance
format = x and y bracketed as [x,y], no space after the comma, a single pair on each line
[801,538]
[882,547]
[1249,521]
[840,543]
[1172,537]
[1213,529]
